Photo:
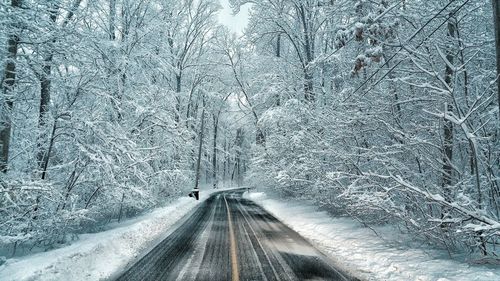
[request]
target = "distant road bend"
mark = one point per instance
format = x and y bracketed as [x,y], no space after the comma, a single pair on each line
[231,238]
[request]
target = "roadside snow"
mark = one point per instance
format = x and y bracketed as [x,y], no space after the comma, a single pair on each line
[100,255]
[358,250]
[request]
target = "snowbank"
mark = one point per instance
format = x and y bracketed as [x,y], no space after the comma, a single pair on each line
[100,255]
[359,250]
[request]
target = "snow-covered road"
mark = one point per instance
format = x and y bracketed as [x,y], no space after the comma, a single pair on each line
[231,238]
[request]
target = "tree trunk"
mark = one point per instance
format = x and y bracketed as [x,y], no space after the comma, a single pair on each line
[178,89]
[226,160]
[496,19]
[8,82]
[122,69]
[278,46]
[46,157]
[45,91]
[260,138]
[236,174]
[120,213]
[45,85]
[309,54]
[309,86]
[278,55]
[214,157]
[200,146]
[112,18]
[188,107]
[448,125]
[112,68]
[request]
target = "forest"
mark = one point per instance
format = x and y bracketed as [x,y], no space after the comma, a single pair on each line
[386,111]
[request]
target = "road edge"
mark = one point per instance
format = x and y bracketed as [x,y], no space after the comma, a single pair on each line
[340,266]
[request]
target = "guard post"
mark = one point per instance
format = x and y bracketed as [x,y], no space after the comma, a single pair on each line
[195,193]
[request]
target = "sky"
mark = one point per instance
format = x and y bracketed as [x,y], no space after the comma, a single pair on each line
[236,23]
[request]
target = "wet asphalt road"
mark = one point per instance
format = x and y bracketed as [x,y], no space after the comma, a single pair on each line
[231,238]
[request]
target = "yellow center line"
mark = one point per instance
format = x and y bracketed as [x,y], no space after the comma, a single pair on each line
[234,258]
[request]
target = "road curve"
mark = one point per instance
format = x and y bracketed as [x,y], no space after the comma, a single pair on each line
[232,238]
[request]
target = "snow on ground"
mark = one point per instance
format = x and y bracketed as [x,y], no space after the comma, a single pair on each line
[358,250]
[353,247]
[100,255]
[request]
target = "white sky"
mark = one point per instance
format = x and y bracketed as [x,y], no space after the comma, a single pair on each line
[235,23]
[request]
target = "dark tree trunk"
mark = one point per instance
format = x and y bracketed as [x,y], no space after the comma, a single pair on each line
[214,157]
[309,87]
[200,146]
[188,109]
[496,19]
[112,18]
[226,160]
[278,46]
[120,213]
[309,54]
[178,83]
[45,86]
[448,125]
[46,157]
[236,174]
[8,82]
[178,89]
[45,92]
[260,138]
[113,70]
